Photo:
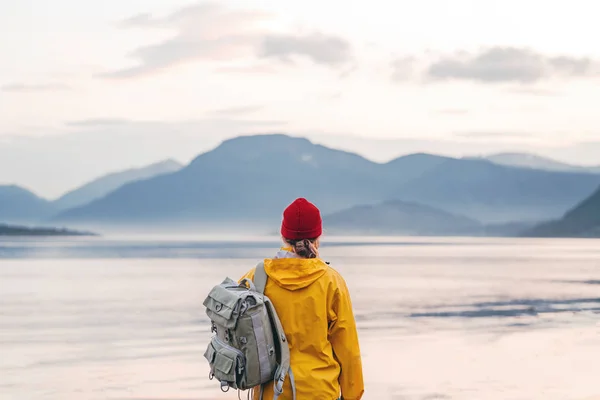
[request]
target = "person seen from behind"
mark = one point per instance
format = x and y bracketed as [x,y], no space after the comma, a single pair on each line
[314,306]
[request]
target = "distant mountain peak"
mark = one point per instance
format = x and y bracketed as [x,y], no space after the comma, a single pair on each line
[276,146]
[270,140]
[102,186]
[261,136]
[13,189]
[19,205]
[423,155]
[518,154]
[169,162]
[535,161]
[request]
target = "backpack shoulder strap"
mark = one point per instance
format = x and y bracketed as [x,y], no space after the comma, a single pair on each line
[260,277]
[260,282]
[284,363]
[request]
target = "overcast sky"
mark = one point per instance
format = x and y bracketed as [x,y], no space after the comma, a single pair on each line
[91,87]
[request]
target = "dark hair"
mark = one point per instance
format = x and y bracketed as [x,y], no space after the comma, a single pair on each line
[305,248]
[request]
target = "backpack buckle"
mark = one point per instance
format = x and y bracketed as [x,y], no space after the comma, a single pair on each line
[224,385]
[278,386]
[279,383]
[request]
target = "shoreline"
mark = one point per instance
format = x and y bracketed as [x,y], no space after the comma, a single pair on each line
[7,230]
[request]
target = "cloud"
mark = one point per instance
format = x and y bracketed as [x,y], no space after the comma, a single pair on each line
[23,87]
[212,33]
[403,68]
[236,111]
[494,65]
[320,48]
[510,64]
[202,32]
[136,20]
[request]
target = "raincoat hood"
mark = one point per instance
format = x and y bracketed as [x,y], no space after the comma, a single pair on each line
[292,272]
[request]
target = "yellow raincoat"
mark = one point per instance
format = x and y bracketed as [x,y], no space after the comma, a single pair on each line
[313,304]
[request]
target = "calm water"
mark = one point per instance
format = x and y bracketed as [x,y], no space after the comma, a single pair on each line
[454,318]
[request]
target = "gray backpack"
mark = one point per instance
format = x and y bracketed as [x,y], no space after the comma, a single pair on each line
[249,347]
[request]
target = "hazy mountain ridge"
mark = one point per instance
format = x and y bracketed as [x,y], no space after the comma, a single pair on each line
[100,187]
[239,181]
[581,221]
[497,194]
[533,161]
[243,180]
[396,217]
[20,206]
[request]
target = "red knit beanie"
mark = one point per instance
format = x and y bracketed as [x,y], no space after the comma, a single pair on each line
[301,220]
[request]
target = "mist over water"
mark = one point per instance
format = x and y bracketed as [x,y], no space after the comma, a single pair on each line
[454,318]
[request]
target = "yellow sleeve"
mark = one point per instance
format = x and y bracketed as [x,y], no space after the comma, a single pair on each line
[344,339]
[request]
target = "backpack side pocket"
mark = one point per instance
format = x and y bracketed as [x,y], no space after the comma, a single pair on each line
[227,364]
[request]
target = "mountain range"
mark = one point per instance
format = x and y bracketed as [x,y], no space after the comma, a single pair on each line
[245,182]
[102,186]
[20,206]
[396,217]
[581,221]
[240,182]
[399,218]
[497,194]
[526,160]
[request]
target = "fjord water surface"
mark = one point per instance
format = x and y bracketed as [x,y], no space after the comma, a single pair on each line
[122,318]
